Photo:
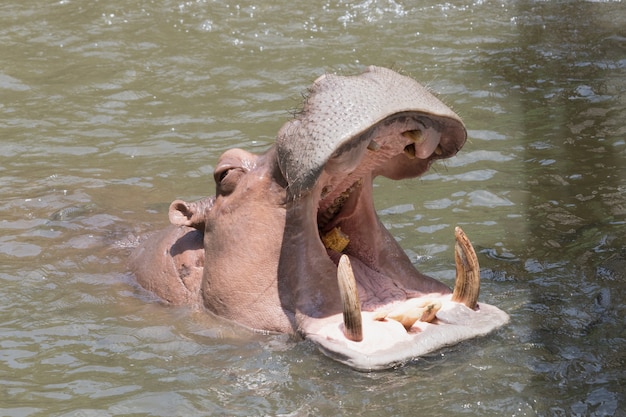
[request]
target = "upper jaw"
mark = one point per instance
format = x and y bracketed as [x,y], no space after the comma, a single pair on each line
[346,113]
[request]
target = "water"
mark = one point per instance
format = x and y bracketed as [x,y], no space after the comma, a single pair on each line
[111,110]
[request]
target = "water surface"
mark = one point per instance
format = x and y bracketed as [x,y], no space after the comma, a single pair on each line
[111,110]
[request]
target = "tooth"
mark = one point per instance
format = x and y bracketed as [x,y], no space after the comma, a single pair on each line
[324,217]
[336,240]
[429,311]
[352,324]
[325,191]
[411,311]
[373,146]
[415,135]
[467,283]
[438,150]
[409,151]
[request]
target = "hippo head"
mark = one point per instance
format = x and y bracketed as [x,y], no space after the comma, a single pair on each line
[291,241]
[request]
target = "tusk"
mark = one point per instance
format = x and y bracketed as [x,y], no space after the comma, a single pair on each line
[414,310]
[409,151]
[353,328]
[467,283]
[415,135]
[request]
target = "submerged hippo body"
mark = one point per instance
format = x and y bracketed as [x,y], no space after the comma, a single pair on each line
[291,241]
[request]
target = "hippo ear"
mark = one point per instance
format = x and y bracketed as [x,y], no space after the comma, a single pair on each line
[182,213]
[338,113]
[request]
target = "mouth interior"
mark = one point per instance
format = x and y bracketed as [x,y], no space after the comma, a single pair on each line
[348,224]
[343,229]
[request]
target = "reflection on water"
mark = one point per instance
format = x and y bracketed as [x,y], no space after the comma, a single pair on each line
[111,110]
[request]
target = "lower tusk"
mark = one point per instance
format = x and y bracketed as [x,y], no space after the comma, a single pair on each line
[467,283]
[352,325]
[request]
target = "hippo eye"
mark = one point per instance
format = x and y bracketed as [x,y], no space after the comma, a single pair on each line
[223,175]
[227,179]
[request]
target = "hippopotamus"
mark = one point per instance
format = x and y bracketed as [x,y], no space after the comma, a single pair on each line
[291,241]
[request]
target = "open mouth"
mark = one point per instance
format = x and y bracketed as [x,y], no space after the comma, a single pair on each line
[347,222]
[384,311]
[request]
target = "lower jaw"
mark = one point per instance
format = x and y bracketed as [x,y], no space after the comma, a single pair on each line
[387,344]
[384,343]
[407,310]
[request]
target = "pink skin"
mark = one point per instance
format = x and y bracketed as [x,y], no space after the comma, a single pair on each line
[262,263]
[170,263]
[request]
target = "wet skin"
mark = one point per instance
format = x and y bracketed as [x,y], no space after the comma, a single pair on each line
[264,251]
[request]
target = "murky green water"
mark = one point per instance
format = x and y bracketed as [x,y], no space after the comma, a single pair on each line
[110,110]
